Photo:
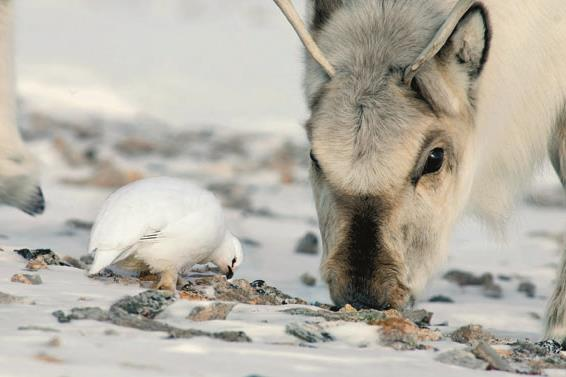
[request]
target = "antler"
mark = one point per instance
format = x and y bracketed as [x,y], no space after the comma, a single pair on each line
[294,19]
[439,39]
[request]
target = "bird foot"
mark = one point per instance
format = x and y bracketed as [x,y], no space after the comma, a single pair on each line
[168,281]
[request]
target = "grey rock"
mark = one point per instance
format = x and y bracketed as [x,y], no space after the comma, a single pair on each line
[308,244]
[92,313]
[214,311]
[528,288]
[308,332]
[465,278]
[308,280]
[7,299]
[87,259]
[420,317]
[364,315]
[147,304]
[461,358]
[492,290]
[79,224]
[486,353]
[441,298]
[470,334]
[37,328]
[27,279]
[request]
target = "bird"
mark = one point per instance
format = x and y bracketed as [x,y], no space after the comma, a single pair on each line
[163,225]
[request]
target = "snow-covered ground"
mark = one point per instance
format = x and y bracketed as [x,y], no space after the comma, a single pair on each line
[97,75]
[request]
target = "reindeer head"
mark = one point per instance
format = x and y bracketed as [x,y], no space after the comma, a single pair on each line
[392,103]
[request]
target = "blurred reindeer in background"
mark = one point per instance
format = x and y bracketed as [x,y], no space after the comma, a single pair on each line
[19,170]
[421,110]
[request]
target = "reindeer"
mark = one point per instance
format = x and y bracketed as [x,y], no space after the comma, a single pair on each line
[19,170]
[421,111]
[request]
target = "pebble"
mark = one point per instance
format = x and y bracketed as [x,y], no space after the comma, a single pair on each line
[309,332]
[462,358]
[54,342]
[308,280]
[147,304]
[215,311]
[486,353]
[441,298]
[308,244]
[7,299]
[492,290]
[528,288]
[27,279]
[464,278]
[36,264]
[470,334]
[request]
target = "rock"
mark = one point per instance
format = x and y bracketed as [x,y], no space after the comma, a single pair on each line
[54,342]
[87,259]
[420,317]
[135,147]
[348,309]
[240,290]
[7,299]
[486,353]
[464,278]
[92,313]
[107,175]
[79,224]
[364,315]
[461,358]
[492,290]
[73,262]
[441,298]
[549,346]
[192,296]
[36,264]
[37,328]
[308,280]
[27,279]
[147,304]
[401,333]
[227,336]
[470,334]
[309,332]
[308,244]
[215,311]
[528,288]
[46,255]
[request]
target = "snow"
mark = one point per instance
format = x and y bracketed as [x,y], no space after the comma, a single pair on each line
[192,67]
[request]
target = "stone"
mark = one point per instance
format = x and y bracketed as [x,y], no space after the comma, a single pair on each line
[401,333]
[364,315]
[215,311]
[420,317]
[470,334]
[308,244]
[486,353]
[54,342]
[27,279]
[528,288]
[464,278]
[308,280]
[92,313]
[37,328]
[441,298]
[462,358]
[7,299]
[492,290]
[147,304]
[46,255]
[309,332]
[36,264]
[79,224]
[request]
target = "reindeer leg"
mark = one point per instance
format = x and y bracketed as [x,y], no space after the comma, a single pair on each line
[556,312]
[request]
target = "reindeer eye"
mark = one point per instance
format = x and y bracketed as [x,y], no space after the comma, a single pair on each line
[434,161]
[314,160]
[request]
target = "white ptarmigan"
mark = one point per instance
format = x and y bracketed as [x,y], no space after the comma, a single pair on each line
[163,225]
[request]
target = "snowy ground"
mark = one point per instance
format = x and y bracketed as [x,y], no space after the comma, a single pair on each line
[80,103]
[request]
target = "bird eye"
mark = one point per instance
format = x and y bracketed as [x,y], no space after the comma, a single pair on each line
[434,161]
[314,160]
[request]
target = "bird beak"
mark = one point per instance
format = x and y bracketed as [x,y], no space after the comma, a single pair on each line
[230,273]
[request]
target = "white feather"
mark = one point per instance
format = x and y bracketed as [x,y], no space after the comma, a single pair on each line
[165,222]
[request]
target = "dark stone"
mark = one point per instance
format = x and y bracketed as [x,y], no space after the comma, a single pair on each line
[308,332]
[470,334]
[419,317]
[441,298]
[464,278]
[48,256]
[492,290]
[528,288]
[147,304]
[214,311]
[308,280]
[308,244]
[79,224]
[257,283]
[462,358]
[87,259]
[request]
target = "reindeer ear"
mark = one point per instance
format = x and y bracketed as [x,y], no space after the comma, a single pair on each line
[322,10]
[469,43]
[448,77]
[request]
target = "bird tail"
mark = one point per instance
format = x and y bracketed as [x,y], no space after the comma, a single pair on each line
[102,259]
